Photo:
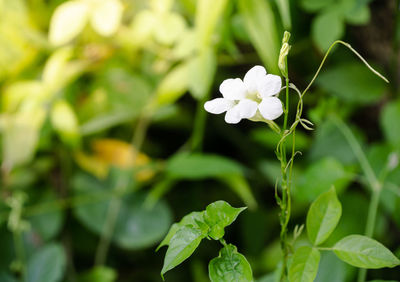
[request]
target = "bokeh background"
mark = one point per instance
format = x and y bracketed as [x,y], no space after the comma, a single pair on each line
[105,142]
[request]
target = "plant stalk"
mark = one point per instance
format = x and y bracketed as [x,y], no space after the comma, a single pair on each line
[120,188]
[286,201]
[373,182]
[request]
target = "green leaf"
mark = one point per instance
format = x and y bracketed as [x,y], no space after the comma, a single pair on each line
[194,219]
[200,166]
[304,266]
[284,11]
[7,277]
[358,15]
[47,264]
[230,266]
[218,215]
[323,217]
[319,178]
[259,21]
[202,73]
[65,122]
[269,139]
[330,142]
[106,16]
[241,187]
[47,225]
[120,96]
[353,83]
[383,281]
[315,5]
[331,268]
[182,245]
[99,274]
[68,21]
[361,251]
[174,84]
[206,20]
[326,28]
[391,113]
[136,227]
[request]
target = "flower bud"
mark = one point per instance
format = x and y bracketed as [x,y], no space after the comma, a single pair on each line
[283,54]
[282,59]
[286,36]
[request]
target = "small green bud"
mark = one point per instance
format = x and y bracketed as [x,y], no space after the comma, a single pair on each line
[286,36]
[283,54]
[282,59]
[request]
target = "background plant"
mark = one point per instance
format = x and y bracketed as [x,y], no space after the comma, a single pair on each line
[69,113]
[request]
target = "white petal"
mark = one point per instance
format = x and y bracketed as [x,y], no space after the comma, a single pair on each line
[269,85]
[270,108]
[253,76]
[218,106]
[233,89]
[233,115]
[247,108]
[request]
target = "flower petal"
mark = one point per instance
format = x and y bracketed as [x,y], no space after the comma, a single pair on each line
[247,108]
[233,115]
[253,76]
[233,89]
[270,108]
[269,85]
[218,105]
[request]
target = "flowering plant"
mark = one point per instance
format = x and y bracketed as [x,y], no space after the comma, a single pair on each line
[255,98]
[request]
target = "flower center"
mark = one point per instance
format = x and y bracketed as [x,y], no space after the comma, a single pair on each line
[255,96]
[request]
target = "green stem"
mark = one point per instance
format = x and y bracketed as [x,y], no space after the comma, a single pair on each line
[286,201]
[120,187]
[369,229]
[20,252]
[199,125]
[107,232]
[373,182]
[359,153]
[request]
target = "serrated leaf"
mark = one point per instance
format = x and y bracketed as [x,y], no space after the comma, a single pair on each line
[364,252]
[218,215]
[323,217]
[230,266]
[182,245]
[304,266]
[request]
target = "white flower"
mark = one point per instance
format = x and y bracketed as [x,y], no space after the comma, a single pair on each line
[247,99]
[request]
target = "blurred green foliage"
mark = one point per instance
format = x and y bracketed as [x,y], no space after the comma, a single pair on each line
[104,134]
